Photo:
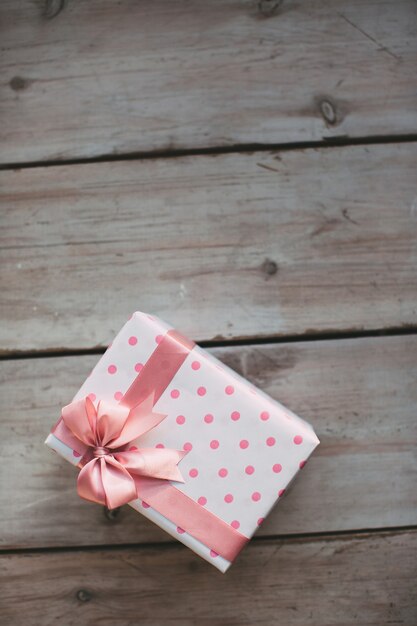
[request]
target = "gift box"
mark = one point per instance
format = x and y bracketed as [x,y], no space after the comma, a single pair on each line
[163,425]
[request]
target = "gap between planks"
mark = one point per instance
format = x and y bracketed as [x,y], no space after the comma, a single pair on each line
[365,580]
[406,329]
[357,533]
[333,142]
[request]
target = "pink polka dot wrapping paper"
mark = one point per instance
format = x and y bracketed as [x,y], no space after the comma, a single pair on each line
[244,448]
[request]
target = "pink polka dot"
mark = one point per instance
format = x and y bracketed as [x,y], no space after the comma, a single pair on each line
[202,500]
[223,472]
[229,390]
[133,340]
[249,469]
[208,418]
[277,468]
[187,446]
[193,472]
[264,416]
[235,416]
[159,445]
[214,444]
[256,496]
[228,498]
[201,391]
[260,521]
[297,440]
[145,505]
[118,395]
[281,493]
[175,394]
[92,396]
[302,464]
[138,367]
[76,454]
[235,524]
[180,530]
[195,365]
[112,369]
[270,441]
[180,419]
[158,338]
[213,554]
[244,444]
[132,449]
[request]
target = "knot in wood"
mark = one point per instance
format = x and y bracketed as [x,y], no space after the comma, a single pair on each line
[267,8]
[53,8]
[83,595]
[328,111]
[18,83]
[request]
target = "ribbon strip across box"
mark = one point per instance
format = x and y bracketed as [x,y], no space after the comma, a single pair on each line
[163,425]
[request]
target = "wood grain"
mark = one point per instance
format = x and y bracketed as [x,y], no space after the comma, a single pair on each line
[368,580]
[225,247]
[111,78]
[359,394]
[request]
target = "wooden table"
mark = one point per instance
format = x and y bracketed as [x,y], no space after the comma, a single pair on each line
[247,171]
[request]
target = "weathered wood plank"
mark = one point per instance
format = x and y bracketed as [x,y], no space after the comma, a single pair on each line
[227,246]
[368,580]
[359,394]
[109,78]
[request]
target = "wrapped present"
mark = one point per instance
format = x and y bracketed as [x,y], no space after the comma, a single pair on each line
[164,426]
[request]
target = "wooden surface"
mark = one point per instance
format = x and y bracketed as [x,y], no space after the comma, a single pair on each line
[85,82]
[367,580]
[222,247]
[247,173]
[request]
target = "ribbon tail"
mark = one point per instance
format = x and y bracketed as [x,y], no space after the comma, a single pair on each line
[153,462]
[141,419]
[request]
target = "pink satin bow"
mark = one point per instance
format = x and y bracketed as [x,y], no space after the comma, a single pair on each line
[108,477]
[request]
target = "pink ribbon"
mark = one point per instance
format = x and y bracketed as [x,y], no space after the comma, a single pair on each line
[112,474]
[108,477]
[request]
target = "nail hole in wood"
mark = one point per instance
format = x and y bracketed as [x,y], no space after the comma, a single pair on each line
[18,83]
[112,515]
[83,595]
[269,267]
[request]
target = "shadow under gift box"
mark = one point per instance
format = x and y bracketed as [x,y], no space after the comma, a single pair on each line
[244,448]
